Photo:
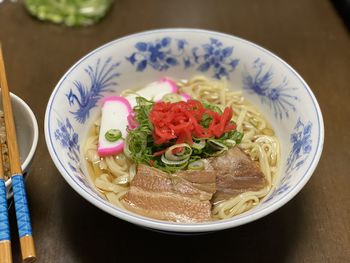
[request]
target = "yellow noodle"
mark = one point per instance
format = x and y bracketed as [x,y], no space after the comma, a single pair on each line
[110,174]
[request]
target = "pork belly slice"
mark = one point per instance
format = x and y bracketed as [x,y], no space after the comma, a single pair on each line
[171,197]
[166,206]
[204,180]
[184,183]
[236,173]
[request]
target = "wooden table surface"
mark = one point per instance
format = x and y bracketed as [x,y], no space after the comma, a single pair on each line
[309,35]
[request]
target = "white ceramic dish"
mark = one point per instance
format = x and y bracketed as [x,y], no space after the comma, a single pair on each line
[27,134]
[135,60]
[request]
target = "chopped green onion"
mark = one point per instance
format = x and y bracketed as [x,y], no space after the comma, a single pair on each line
[215,148]
[217,153]
[184,154]
[237,136]
[230,143]
[170,162]
[212,107]
[113,135]
[197,165]
[198,145]
[194,158]
[173,168]
[216,145]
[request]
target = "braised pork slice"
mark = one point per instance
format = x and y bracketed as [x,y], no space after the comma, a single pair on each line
[182,197]
[236,173]
[204,180]
[186,196]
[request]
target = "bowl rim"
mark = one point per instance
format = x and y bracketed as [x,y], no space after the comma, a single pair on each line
[177,227]
[33,147]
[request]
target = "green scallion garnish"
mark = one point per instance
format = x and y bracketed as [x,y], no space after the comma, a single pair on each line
[113,135]
[172,156]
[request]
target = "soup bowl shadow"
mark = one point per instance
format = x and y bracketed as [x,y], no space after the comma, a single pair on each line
[267,81]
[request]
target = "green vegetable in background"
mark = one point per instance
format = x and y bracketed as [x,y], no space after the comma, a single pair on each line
[69,12]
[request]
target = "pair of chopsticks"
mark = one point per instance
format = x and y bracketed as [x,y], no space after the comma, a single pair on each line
[20,198]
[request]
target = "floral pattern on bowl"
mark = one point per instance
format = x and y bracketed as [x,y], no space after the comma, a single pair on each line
[277,95]
[167,52]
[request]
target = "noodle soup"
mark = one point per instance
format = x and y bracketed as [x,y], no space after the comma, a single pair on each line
[226,182]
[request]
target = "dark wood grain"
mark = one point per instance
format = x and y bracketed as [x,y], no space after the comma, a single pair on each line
[309,35]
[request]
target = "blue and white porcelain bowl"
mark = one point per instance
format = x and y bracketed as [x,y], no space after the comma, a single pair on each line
[268,82]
